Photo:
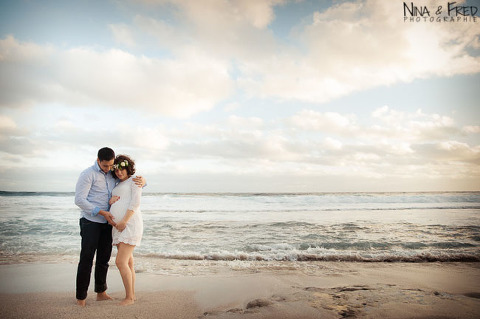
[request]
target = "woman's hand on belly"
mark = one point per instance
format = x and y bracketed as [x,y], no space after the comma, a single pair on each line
[121,226]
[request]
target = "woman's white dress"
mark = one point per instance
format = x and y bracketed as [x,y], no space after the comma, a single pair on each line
[130,195]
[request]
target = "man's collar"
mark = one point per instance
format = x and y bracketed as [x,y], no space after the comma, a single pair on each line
[97,167]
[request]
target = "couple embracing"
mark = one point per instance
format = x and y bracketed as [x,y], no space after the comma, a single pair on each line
[109,198]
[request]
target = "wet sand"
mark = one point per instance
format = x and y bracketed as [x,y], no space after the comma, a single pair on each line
[222,289]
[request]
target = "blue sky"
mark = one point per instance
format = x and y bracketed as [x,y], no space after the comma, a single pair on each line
[240,96]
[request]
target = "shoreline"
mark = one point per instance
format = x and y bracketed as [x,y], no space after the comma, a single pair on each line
[212,289]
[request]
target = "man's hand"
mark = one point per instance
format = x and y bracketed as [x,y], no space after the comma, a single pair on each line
[121,226]
[139,181]
[113,200]
[108,216]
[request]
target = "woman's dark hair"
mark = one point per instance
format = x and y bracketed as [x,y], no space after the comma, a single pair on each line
[131,164]
[106,154]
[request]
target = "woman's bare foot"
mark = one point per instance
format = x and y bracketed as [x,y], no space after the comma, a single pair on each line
[81,303]
[126,302]
[103,296]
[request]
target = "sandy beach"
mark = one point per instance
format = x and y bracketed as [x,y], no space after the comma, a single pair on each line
[235,289]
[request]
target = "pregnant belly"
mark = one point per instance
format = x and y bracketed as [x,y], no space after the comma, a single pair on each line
[118,210]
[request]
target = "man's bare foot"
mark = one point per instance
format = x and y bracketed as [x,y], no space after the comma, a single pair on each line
[103,296]
[81,303]
[126,302]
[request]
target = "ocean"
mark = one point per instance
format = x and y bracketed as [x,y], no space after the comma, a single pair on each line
[350,227]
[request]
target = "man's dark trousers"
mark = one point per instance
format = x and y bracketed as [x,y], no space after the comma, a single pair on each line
[95,237]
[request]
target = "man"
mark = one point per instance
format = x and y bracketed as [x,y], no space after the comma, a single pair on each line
[92,193]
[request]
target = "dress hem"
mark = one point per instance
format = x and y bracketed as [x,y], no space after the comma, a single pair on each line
[128,242]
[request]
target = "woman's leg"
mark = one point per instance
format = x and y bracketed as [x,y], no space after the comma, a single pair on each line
[130,265]
[124,253]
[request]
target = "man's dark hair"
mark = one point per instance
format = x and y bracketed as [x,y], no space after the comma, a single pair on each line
[106,154]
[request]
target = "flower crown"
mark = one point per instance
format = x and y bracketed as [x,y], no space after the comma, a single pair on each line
[122,165]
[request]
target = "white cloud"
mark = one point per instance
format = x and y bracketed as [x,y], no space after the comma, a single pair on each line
[167,36]
[312,141]
[350,47]
[333,144]
[471,129]
[203,54]
[181,86]
[249,146]
[358,45]
[416,126]
[21,71]
[65,124]
[148,139]
[7,123]
[459,151]
[327,122]
[245,123]
[227,30]
[122,34]
[258,13]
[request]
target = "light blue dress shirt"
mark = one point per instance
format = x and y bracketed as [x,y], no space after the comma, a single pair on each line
[93,191]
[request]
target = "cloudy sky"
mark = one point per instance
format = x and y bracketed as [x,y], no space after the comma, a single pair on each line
[240,95]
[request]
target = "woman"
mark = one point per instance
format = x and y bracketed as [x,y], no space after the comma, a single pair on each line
[125,208]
